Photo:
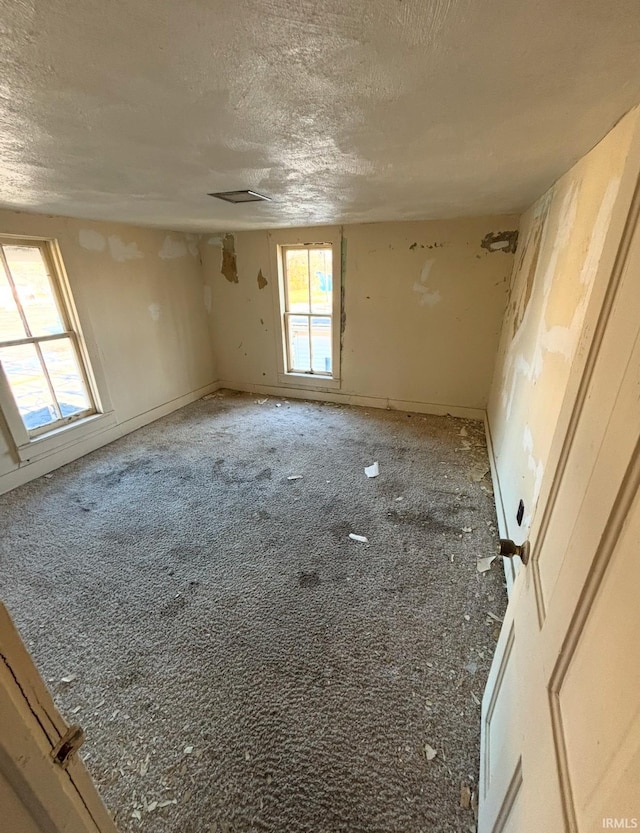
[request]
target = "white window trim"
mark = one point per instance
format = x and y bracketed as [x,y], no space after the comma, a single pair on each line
[320,236]
[28,447]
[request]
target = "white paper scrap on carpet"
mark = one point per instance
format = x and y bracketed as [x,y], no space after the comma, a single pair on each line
[373,470]
[361,538]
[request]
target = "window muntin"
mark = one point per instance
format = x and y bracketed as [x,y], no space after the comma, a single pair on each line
[38,346]
[308,313]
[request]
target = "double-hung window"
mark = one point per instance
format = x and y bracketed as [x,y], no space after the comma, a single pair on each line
[43,377]
[308,309]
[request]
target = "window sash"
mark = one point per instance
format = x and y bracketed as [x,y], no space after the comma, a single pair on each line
[67,333]
[287,314]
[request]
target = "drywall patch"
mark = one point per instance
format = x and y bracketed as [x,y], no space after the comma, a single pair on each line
[172,249]
[229,266]
[428,296]
[192,244]
[92,240]
[207,298]
[262,281]
[121,251]
[500,241]
[155,311]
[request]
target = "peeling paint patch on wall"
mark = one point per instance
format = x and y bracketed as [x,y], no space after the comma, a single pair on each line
[172,249]
[92,240]
[428,296]
[229,267]
[121,251]
[500,241]
[262,281]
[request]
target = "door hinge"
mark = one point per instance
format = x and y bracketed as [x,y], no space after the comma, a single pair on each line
[68,745]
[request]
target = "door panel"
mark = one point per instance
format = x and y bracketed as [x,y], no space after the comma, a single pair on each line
[44,796]
[565,680]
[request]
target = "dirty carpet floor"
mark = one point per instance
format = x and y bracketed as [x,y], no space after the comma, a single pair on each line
[238,663]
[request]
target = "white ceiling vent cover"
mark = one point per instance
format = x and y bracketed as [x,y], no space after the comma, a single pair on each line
[240,196]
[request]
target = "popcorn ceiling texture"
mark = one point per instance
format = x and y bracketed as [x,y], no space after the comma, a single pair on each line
[239,664]
[341,112]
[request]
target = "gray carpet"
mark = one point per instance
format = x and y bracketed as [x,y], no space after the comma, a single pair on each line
[231,651]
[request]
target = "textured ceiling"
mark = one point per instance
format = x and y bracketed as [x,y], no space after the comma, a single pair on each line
[340,110]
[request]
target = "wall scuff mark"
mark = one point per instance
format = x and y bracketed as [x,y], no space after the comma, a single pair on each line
[500,241]
[229,267]
[262,281]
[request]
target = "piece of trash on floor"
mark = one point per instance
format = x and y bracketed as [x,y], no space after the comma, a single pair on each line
[48,476]
[429,752]
[209,396]
[471,667]
[69,678]
[362,539]
[398,499]
[494,617]
[467,529]
[475,699]
[136,815]
[278,404]
[373,470]
[467,617]
[259,401]
[151,806]
[294,477]
[465,797]
[463,432]
[76,710]
[144,766]
[478,473]
[188,750]
[484,564]
[167,803]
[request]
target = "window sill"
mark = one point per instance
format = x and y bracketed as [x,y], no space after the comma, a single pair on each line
[67,435]
[306,380]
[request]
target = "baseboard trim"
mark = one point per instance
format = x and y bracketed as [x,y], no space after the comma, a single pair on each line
[356,399]
[43,465]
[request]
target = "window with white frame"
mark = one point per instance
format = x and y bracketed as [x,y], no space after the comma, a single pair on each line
[43,377]
[308,314]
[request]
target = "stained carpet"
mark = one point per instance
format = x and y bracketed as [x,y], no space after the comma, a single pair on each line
[238,662]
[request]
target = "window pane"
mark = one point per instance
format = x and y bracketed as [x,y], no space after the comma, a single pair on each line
[66,377]
[28,384]
[321,345]
[11,325]
[321,280]
[29,273]
[297,275]
[299,357]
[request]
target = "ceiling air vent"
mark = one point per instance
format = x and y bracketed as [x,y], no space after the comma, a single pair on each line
[240,196]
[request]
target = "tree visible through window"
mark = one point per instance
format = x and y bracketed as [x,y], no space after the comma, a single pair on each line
[308,295]
[39,353]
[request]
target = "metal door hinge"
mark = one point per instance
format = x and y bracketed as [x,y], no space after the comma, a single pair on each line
[68,745]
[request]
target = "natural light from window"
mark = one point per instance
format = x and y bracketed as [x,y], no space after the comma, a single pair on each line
[38,347]
[308,296]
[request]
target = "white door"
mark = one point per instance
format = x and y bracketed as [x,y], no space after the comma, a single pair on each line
[38,794]
[560,744]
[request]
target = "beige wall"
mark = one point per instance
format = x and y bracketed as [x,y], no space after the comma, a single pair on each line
[423,305]
[141,302]
[568,242]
